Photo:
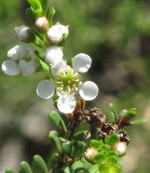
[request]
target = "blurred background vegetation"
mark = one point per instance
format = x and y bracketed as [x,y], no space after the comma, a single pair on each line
[116,34]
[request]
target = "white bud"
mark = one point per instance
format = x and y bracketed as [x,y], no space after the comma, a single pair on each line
[53,54]
[41,24]
[24,34]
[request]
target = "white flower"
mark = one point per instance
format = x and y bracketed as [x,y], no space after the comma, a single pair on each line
[67,83]
[55,33]
[53,54]
[23,61]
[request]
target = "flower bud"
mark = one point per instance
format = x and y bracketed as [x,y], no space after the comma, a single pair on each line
[53,54]
[55,33]
[120,148]
[41,24]
[24,34]
[90,153]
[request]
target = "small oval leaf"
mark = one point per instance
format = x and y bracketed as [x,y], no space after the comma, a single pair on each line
[57,121]
[111,140]
[99,158]
[96,144]
[25,167]
[68,149]
[51,13]
[52,161]
[114,110]
[53,135]
[138,121]
[79,148]
[9,171]
[38,165]
[112,159]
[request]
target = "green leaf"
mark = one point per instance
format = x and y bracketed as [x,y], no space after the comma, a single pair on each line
[95,169]
[112,153]
[31,14]
[79,136]
[9,171]
[62,139]
[44,6]
[114,110]
[79,148]
[62,43]
[99,158]
[138,121]
[96,144]
[110,118]
[69,62]
[51,13]
[57,121]
[45,67]
[93,132]
[52,161]
[25,168]
[111,140]
[112,159]
[107,138]
[77,166]
[67,169]
[130,114]
[53,135]
[68,149]
[120,162]
[104,148]
[35,4]
[109,167]
[87,165]
[38,165]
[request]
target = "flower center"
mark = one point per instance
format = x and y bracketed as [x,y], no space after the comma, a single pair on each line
[67,82]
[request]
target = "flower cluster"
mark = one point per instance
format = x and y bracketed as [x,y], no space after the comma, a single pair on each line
[64,80]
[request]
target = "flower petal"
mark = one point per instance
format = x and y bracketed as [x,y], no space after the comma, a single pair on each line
[10,68]
[17,52]
[30,50]
[88,90]
[81,63]
[28,68]
[53,54]
[45,89]
[58,66]
[66,103]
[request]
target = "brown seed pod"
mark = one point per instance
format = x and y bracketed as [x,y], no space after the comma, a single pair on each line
[95,117]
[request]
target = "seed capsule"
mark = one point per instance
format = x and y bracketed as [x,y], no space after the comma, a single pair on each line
[120,148]
[90,153]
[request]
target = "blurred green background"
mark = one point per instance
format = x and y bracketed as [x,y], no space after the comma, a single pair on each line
[116,34]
